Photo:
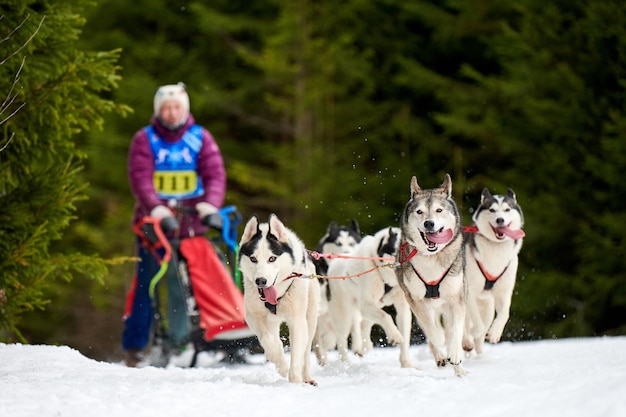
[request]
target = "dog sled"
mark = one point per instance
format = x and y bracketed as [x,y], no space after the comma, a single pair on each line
[196,294]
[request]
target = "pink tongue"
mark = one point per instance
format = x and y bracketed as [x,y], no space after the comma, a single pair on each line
[513,234]
[440,237]
[270,295]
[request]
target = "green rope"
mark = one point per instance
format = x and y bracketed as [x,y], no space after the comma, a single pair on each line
[236,268]
[157,277]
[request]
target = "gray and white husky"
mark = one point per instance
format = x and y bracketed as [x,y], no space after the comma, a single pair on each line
[492,246]
[337,240]
[430,271]
[366,287]
[272,260]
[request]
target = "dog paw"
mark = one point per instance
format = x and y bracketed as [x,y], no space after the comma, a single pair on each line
[493,338]
[460,371]
[283,370]
[311,382]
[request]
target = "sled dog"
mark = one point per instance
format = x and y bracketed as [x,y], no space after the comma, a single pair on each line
[430,271]
[337,240]
[492,246]
[273,262]
[357,301]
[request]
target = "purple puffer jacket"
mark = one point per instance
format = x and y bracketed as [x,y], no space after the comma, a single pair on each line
[141,172]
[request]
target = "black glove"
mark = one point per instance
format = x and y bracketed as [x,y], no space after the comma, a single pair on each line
[213,220]
[169,224]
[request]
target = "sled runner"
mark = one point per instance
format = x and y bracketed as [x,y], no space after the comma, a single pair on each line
[196,293]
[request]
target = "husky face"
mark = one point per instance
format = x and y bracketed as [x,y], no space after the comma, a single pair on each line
[340,239]
[337,240]
[499,217]
[388,245]
[266,256]
[431,218]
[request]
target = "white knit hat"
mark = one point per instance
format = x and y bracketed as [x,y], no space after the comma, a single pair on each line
[176,92]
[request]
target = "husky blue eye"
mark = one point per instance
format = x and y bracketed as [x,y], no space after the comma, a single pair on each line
[253,259]
[272,259]
[439,210]
[419,211]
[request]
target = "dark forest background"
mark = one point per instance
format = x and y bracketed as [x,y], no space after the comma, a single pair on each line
[323,111]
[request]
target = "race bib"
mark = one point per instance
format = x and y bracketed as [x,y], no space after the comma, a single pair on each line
[175,184]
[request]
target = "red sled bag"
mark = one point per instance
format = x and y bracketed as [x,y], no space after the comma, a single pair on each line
[220,303]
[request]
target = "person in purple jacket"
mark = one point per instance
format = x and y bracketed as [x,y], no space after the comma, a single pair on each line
[170,159]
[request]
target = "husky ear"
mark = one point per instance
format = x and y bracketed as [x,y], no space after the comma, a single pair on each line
[332,228]
[415,188]
[485,195]
[251,229]
[277,228]
[355,227]
[511,194]
[446,185]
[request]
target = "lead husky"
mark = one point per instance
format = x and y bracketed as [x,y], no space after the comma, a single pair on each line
[430,271]
[336,240]
[272,258]
[491,250]
[357,301]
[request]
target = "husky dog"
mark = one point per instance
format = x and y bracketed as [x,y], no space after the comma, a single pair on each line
[272,259]
[357,300]
[491,249]
[430,271]
[337,240]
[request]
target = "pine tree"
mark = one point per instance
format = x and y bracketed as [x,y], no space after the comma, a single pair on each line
[53,92]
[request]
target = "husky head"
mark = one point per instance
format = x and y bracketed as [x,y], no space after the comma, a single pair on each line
[337,240]
[499,217]
[268,256]
[388,241]
[431,219]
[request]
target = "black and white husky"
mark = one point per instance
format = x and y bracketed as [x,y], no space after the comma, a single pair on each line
[276,269]
[337,240]
[430,271]
[361,286]
[492,246]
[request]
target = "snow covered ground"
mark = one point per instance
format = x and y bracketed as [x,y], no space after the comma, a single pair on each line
[567,377]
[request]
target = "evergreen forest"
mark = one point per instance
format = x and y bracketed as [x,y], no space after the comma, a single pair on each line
[323,111]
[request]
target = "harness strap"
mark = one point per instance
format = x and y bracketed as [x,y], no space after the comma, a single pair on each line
[432,287]
[490,280]
[402,251]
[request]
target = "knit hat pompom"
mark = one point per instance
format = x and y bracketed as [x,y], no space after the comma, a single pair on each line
[176,92]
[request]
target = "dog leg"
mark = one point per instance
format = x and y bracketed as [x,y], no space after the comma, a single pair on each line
[502,306]
[312,325]
[433,331]
[404,320]
[372,313]
[455,339]
[366,335]
[298,347]
[321,342]
[475,328]
[342,321]
[269,338]
[487,314]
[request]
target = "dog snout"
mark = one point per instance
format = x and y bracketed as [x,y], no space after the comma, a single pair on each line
[429,225]
[260,282]
[500,221]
